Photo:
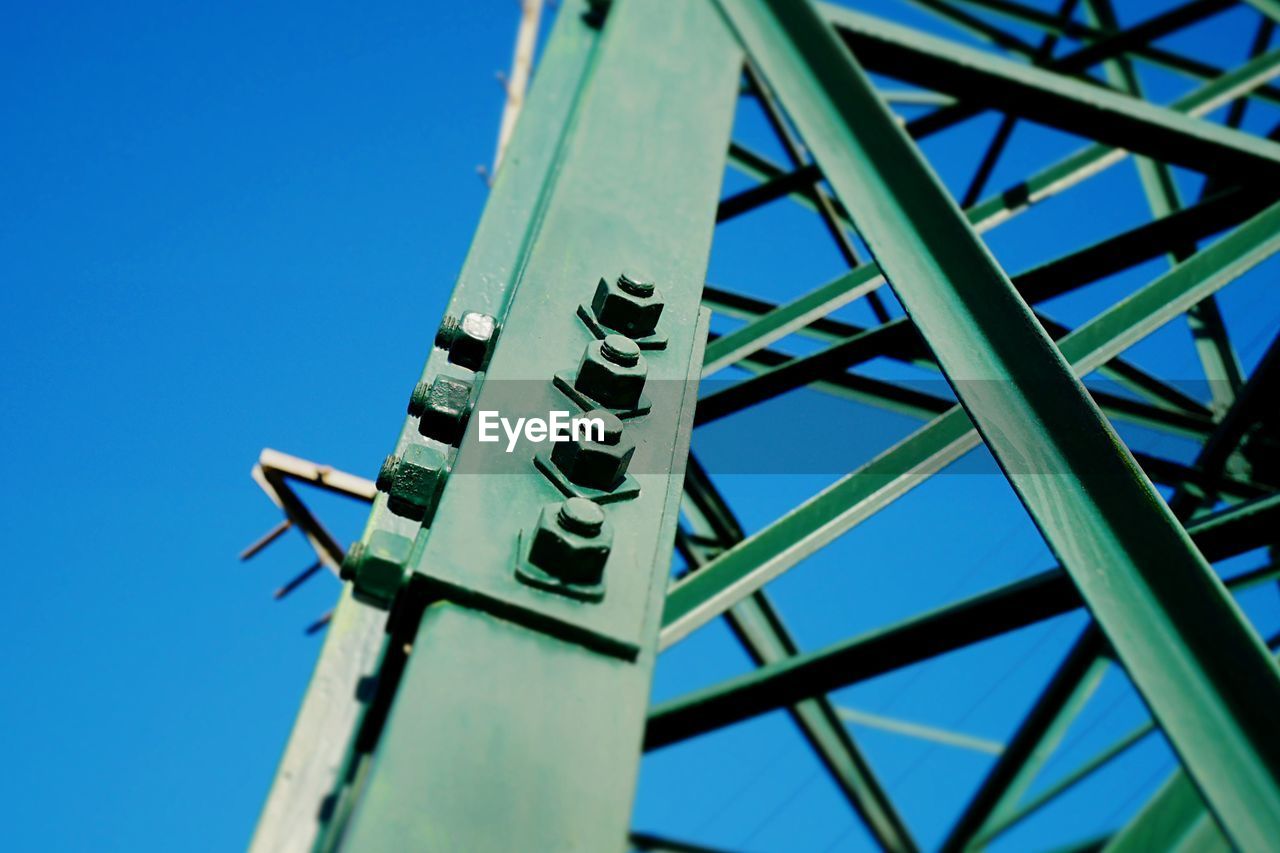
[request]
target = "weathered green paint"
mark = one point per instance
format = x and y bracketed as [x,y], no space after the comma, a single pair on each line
[320,743]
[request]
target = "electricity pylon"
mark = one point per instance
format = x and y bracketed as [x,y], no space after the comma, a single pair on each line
[484,680]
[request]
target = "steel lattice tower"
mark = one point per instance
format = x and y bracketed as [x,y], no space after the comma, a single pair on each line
[596,239]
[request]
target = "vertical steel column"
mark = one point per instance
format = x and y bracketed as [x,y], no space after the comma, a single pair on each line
[518,720]
[317,749]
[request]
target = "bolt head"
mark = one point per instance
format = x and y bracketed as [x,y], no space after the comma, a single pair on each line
[414,481]
[351,562]
[620,350]
[377,568]
[625,308]
[612,385]
[595,464]
[573,558]
[446,406]
[581,516]
[469,340]
[635,285]
[387,473]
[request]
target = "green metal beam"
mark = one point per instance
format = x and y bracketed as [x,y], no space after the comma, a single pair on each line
[762,633]
[797,154]
[933,734]
[920,404]
[1055,99]
[1144,52]
[547,739]
[1173,410]
[1188,649]
[331,709]
[766,554]
[1221,367]
[645,842]
[1256,399]
[1012,817]
[1174,820]
[919,638]
[1036,285]
[1066,783]
[1034,741]
[1008,123]
[983,216]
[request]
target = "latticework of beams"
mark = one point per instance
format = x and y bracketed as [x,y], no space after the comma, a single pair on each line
[1144,566]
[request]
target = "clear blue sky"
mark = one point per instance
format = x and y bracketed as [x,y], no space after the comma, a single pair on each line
[235,226]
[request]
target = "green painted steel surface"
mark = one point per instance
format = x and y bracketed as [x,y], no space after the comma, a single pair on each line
[1014,816]
[608,172]
[984,215]
[1034,741]
[1187,647]
[1053,99]
[777,547]
[534,744]
[291,818]
[1175,821]
[760,630]
[919,638]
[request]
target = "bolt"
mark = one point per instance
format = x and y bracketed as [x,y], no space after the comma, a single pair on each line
[442,408]
[612,373]
[413,481]
[387,473]
[630,306]
[468,339]
[448,328]
[581,516]
[571,542]
[595,464]
[351,562]
[611,434]
[620,350]
[635,286]
[377,568]
[595,14]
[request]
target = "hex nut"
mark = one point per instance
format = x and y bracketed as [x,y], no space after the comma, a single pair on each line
[413,480]
[595,464]
[377,568]
[612,372]
[442,407]
[571,541]
[469,339]
[630,305]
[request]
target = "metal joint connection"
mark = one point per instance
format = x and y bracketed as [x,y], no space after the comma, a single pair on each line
[442,407]
[630,306]
[413,481]
[568,549]
[377,568]
[469,339]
